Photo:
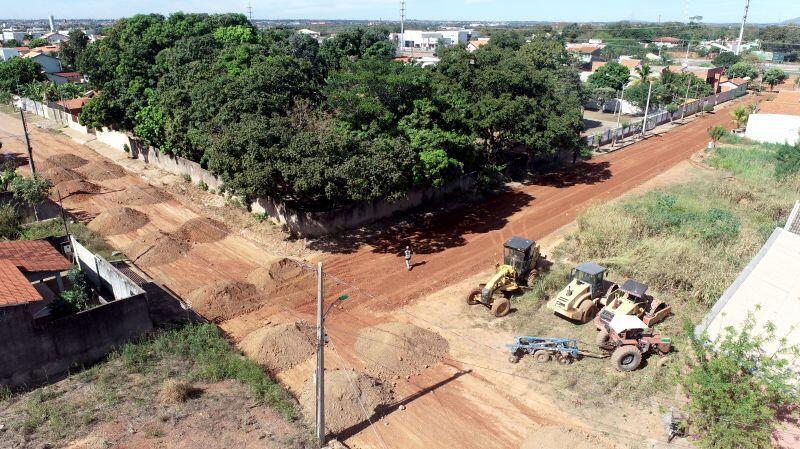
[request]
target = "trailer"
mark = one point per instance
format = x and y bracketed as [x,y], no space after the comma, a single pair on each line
[563,350]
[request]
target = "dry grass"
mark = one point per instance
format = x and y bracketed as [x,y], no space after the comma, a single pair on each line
[175,391]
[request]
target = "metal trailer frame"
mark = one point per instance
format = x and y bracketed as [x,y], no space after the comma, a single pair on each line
[565,350]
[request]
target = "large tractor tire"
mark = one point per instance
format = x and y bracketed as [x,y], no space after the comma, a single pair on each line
[603,339]
[501,306]
[586,311]
[626,358]
[532,276]
[541,355]
[474,297]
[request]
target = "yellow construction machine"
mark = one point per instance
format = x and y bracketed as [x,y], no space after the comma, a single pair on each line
[519,268]
[578,300]
[631,299]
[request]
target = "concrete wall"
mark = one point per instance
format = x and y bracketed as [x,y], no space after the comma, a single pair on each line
[104,275]
[114,139]
[322,223]
[174,164]
[773,128]
[31,354]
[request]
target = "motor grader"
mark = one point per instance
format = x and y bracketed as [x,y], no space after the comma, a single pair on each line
[631,299]
[578,300]
[520,268]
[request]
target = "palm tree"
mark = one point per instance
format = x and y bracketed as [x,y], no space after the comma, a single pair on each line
[645,72]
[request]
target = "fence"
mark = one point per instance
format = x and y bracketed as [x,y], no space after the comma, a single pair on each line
[103,275]
[661,117]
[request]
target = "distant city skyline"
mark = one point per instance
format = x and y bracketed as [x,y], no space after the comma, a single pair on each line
[712,11]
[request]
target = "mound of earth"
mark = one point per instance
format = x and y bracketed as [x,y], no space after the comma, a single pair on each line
[139,196]
[57,175]
[202,230]
[157,249]
[345,392]
[102,171]
[280,347]
[553,437]
[279,273]
[224,300]
[394,350]
[118,221]
[74,187]
[66,160]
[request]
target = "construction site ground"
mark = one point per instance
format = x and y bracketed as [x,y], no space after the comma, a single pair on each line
[472,397]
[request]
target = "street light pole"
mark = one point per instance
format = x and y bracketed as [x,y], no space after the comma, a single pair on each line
[27,143]
[647,109]
[320,372]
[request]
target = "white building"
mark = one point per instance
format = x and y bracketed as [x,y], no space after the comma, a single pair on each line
[776,121]
[8,53]
[54,37]
[18,36]
[428,40]
[311,33]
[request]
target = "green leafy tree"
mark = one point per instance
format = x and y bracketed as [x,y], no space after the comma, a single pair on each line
[73,300]
[613,75]
[436,168]
[741,113]
[644,73]
[9,222]
[31,191]
[742,70]
[725,59]
[507,39]
[601,95]
[38,42]
[774,76]
[71,49]
[717,132]
[736,388]
[15,73]
[11,43]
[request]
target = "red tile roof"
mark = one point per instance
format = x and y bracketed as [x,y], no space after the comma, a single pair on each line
[14,288]
[76,104]
[631,63]
[737,81]
[33,256]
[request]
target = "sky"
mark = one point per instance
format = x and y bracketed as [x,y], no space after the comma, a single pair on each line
[712,11]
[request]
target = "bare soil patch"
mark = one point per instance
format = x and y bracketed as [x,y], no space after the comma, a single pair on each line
[65,160]
[118,221]
[202,230]
[57,175]
[74,187]
[102,171]
[553,437]
[346,392]
[278,273]
[394,350]
[139,196]
[280,347]
[224,300]
[157,248]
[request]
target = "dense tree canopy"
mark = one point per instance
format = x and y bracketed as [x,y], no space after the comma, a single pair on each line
[72,48]
[613,75]
[742,70]
[15,73]
[726,59]
[670,89]
[275,113]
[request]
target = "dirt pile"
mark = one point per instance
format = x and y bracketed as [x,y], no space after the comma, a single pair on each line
[279,274]
[102,171]
[202,230]
[66,160]
[118,221]
[345,392]
[139,196]
[553,437]
[394,350]
[224,300]
[74,187]
[280,347]
[57,175]
[157,249]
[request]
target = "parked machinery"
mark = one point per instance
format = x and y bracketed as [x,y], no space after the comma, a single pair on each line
[628,340]
[578,300]
[631,299]
[520,267]
[544,349]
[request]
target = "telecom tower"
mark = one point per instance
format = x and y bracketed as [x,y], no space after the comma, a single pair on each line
[741,30]
[402,42]
[250,11]
[52,23]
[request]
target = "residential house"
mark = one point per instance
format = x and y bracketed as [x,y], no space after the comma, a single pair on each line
[711,75]
[54,37]
[75,106]
[30,275]
[66,77]
[776,121]
[666,42]
[597,64]
[475,44]
[8,53]
[48,63]
[631,63]
[586,53]
[730,84]
[23,49]
[9,35]
[50,49]
[428,40]
[310,33]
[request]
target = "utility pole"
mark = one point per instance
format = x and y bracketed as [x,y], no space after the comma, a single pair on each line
[619,115]
[320,372]
[250,11]
[646,109]
[402,27]
[686,100]
[27,142]
[741,30]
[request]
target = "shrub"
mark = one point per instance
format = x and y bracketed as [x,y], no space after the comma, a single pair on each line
[736,391]
[9,222]
[708,108]
[717,132]
[73,300]
[788,157]
[186,178]
[202,185]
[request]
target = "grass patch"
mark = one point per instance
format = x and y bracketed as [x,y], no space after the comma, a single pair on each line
[51,228]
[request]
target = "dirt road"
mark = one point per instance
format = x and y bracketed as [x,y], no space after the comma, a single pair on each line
[451,246]
[464,401]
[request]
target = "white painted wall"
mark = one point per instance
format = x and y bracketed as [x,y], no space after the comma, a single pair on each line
[773,128]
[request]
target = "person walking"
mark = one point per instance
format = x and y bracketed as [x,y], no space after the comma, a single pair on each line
[407,255]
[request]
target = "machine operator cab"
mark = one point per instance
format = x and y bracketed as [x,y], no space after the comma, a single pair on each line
[521,254]
[591,274]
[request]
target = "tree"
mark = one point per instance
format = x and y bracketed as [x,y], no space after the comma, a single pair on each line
[72,48]
[736,389]
[613,75]
[38,42]
[740,114]
[31,191]
[9,222]
[725,59]
[508,39]
[17,72]
[742,70]
[644,72]
[601,95]
[774,76]
[717,132]
[73,300]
